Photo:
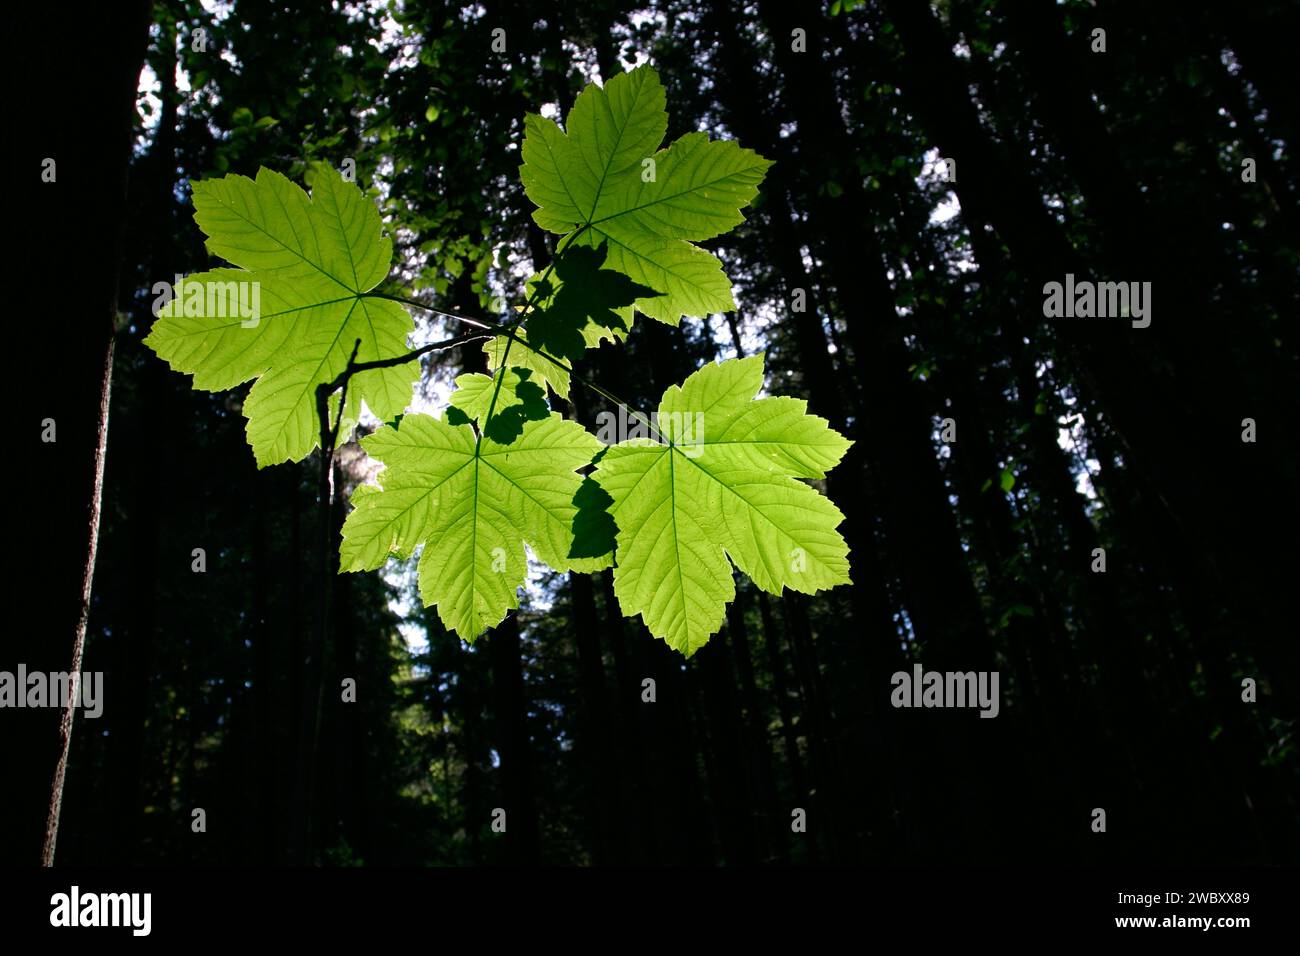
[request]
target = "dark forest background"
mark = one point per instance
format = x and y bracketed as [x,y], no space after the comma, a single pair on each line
[1120,690]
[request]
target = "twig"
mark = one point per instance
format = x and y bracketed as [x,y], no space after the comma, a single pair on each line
[489,330]
[495,330]
[467,319]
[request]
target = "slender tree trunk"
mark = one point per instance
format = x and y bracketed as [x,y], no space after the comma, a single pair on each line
[79,638]
[86,134]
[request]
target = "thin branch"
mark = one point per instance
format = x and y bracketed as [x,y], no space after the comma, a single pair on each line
[490,330]
[467,319]
[323,392]
[357,367]
[495,330]
[343,400]
[510,329]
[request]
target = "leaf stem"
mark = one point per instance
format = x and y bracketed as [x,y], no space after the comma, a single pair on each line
[509,329]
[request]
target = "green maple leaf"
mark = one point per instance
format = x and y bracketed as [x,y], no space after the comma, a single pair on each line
[593,179]
[583,295]
[518,400]
[721,483]
[312,259]
[544,370]
[472,503]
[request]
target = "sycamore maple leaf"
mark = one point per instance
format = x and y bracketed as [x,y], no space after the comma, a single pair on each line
[605,180]
[545,371]
[472,503]
[721,483]
[517,400]
[310,261]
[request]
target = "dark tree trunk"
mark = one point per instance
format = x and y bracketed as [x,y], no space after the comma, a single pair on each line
[757,745]
[732,796]
[601,760]
[513,742]
[91,147]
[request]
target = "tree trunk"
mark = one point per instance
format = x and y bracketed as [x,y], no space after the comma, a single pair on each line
[87,133]
[513,742]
